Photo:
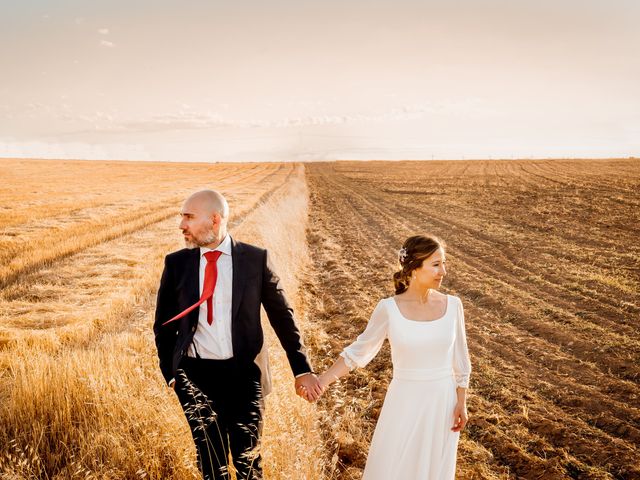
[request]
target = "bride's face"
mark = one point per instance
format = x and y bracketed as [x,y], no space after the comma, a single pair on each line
[431,272]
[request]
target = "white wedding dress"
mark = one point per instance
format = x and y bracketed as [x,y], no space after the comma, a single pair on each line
[413,438]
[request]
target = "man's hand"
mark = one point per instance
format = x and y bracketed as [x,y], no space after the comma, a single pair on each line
[308,387]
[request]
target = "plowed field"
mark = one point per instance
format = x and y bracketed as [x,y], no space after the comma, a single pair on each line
[546,258]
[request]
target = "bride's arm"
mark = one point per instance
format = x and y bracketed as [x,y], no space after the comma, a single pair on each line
[462,370]
[360,352]
[461,361]
[337,370]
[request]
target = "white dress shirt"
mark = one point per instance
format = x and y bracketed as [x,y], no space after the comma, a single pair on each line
[214,341]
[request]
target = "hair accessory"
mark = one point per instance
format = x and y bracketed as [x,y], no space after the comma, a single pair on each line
[402,254]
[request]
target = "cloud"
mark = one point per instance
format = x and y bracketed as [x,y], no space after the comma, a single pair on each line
[103,31]
[188,119]
[11,148]
[106,43]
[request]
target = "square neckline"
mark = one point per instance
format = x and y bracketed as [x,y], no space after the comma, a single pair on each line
[446,310]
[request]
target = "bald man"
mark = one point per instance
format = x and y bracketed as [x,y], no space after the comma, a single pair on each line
[210,340]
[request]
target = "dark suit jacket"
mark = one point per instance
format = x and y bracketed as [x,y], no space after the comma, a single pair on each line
[254,283]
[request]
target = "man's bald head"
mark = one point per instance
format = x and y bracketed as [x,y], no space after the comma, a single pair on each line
[204,219]
[211,201]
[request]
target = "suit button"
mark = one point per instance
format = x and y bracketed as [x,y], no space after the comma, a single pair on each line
[193,329]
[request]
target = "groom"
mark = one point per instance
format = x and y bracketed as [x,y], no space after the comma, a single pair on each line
[210,340]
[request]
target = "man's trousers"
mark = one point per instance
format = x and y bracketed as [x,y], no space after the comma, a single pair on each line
[223,405]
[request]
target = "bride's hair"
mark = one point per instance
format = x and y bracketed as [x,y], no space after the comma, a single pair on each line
[414,250]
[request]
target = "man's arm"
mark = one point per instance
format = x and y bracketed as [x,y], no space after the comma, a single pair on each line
[282,320]
[165,335]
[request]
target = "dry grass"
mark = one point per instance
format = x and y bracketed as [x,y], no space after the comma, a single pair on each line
[50,210]
[81,392]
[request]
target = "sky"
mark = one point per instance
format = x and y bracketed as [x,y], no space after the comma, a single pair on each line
[245,80]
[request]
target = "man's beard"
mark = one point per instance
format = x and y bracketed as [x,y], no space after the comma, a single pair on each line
[206,239]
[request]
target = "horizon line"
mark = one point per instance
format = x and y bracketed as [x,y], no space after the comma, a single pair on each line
[462,159]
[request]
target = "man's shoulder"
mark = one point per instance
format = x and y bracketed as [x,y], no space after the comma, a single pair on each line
[180,255]
[247,248]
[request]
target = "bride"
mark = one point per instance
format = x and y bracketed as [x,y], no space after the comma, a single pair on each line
[424,410]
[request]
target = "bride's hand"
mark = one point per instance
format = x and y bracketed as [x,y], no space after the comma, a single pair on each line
[324,381]
[308,387]
[333,373]
[460,417]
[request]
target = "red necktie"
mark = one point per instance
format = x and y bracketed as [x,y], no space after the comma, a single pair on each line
[210,278]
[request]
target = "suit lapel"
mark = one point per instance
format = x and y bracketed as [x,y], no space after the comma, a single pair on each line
[237,259]
[192,275]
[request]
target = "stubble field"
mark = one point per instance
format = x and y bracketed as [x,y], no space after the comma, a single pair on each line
[544,255]
[82,247]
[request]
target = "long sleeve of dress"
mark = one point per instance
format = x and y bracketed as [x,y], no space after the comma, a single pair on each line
[461,362]
[369,342]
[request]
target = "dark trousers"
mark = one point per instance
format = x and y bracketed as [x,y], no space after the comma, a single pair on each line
[223,405]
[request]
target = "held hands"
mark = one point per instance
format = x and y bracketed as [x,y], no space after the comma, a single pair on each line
[308,387]
[460,417]
[317,385]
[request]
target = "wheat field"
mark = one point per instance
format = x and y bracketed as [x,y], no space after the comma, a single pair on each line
[82,251]
[544,254]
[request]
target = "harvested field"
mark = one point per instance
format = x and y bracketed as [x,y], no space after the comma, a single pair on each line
[546,258]
[82,247]
[544,255]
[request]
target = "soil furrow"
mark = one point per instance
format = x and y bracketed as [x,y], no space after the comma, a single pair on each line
[561,327]
[541,406]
